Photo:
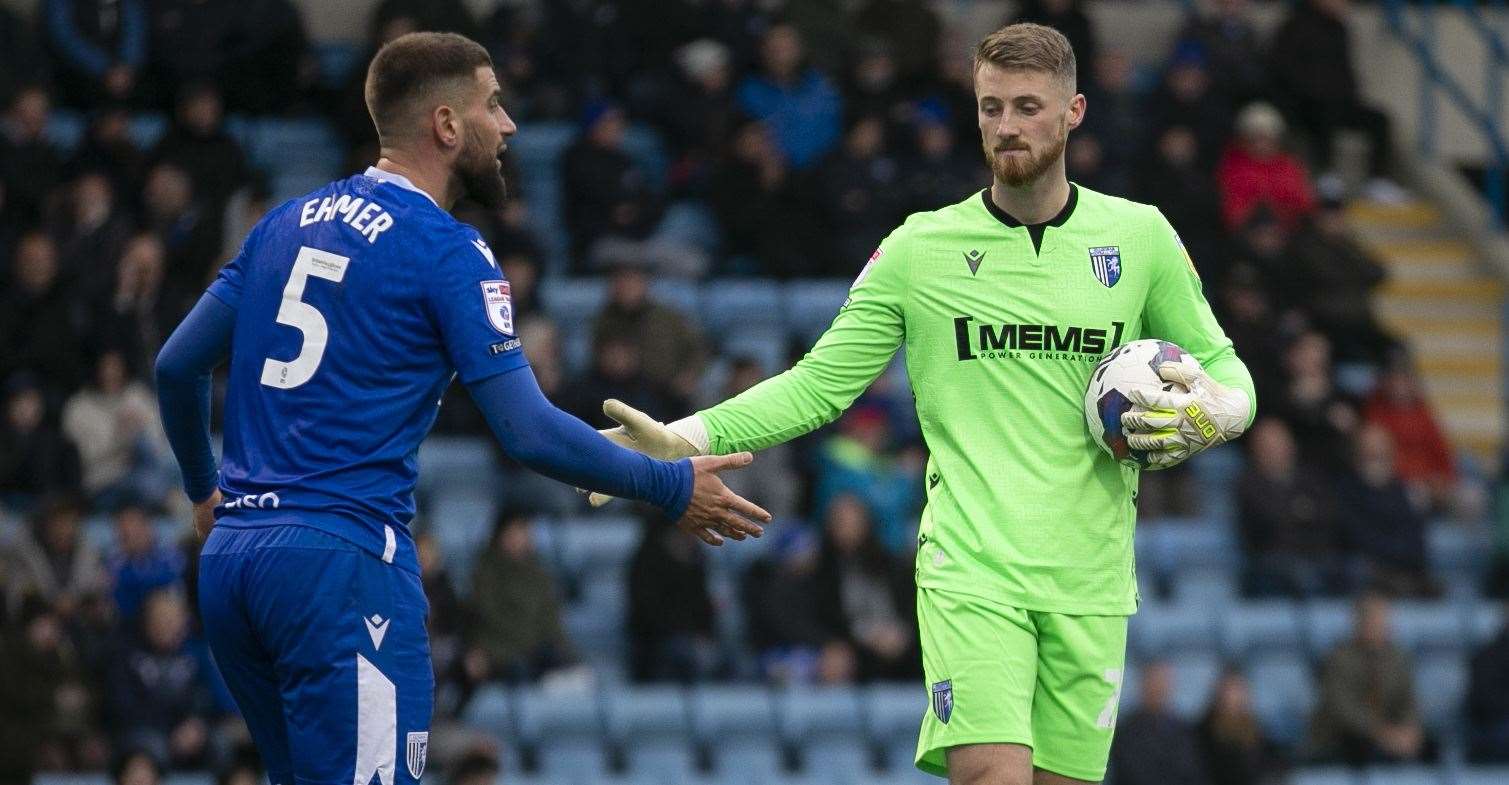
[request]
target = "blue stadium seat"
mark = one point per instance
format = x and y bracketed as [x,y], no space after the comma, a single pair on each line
[733,710]
[1283,694]
[811,306]
[1330,775]
[1195,673]
[461,521]
[805,713]
[1405,775]
[338,60]
[574,302]
[650,712]
[893,711]
[600,543]
[145,129]
[730,306]
[846,759]
[1484,621]
[65,129]
[1208,585]
[661,761]
[307,147]
[750,758]
[1250,627]
[1327,623]
[1160,628]
[680,294]
[492,708]
[1440,687]
[559,714]
[1482,775]
[573,760]
[644,145]
[1421,627]
[1457,546]
[908,775]
[765,345]
[455,462]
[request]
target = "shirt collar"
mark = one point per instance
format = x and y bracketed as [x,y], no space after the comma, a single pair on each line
[384,176]
[1010,220]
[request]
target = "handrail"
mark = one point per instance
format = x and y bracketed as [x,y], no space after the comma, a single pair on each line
[1485,120]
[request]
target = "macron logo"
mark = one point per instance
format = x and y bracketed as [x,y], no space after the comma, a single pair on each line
[487,253]
[377,627]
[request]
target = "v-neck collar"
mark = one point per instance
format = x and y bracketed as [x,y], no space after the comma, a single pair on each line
[1035,231]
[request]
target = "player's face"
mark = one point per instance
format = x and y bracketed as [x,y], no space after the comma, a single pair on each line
[487,128]
[1025,117]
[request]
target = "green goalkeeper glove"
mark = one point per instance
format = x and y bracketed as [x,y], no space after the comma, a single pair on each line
[1172,426]
[642,433]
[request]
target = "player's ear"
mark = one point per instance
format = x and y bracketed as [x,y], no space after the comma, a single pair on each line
[446,125]
[1077,107]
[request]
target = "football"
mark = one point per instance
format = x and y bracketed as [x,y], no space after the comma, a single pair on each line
[1128,367]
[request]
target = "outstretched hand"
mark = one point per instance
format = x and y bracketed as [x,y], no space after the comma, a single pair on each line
[716,512]
[641,433]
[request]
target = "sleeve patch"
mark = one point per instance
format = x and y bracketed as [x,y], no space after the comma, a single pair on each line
[498,304]
[874,257]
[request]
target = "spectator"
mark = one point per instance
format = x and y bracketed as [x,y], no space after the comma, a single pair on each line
[868,592]
[475,769]
[1255,171]
[1120,127]
[272,68]
[198,144]
[1367,711]
[141,565]
[158,696]
[616,373]
[243,770]
[36,460]
[799,104]
[671,625]
[908,29]
[30,165]
[1255,330]
[860,192]
[90,236]
[604,191]
[46,711]
[1423,460]
[873,87]
[1188,97]
[1153,746]
[518,628]
[1067,17]
[768,227]
[1313,75]
[54,563]
[255,49]
[1321,418]
[1224,34]
[671,350]
[22,60]
[1287,520]
[857,460]
[114,423]
[1236,750]
[135,314]
[108,148]
[100,47]
[941,172]
[39,331]
[786,625]
[1336,277]
[1488,700]
[697,112]
[136,767]
[189,229]
[1176,180]
[1385,532]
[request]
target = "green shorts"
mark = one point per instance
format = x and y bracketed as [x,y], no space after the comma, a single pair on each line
[997,674]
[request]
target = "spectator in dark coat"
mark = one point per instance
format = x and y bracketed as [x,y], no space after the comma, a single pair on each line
[604,192]
[941,172]
[1227,38]
[198,143]
[867,594]
[189,228]
[616,372]
[158,696]
[99,46]
[1067,17]
[1236,750]
[39,318]
[36,459]
[108,147]
[1175,178]
[30,165]
[672,632]
[1320,416]
[1385,531]
[518,628]
[767,221]
[51,560]
[47,710]
[671,349]
[1367,711]
[1336,278]
[135,314]
[1153,746]
[1286,519]
[1488,700]
[859,187]
[786,628]
[90,235]
[22,59]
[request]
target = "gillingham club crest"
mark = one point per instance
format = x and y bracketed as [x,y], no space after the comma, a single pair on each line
[943,700]
[416,750]
[1105,262]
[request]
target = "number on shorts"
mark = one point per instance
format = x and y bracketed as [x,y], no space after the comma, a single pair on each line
[1107,718]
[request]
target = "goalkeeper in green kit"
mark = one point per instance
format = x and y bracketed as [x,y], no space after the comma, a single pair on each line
[1005,301]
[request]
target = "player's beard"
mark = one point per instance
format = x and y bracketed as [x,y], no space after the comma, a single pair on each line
[1017,172]
[481,177]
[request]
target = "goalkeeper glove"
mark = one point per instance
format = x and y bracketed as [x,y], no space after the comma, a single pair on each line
[1172,426]
[642,433]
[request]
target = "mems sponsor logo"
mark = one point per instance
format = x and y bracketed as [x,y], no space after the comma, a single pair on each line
[976,340]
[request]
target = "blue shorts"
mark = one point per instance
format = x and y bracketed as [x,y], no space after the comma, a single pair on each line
[323,646]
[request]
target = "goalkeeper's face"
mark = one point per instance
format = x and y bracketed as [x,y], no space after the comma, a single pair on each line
[479,166]
[1025,117]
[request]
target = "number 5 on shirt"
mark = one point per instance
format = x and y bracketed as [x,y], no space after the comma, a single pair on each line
[307,319]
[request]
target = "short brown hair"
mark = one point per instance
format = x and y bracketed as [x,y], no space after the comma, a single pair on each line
[417,65]
[1030,47]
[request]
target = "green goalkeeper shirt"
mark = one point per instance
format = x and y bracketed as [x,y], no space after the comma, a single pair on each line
[1002,325]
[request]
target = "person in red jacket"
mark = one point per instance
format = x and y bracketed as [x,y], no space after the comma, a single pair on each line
[1256,171]
[1424,461]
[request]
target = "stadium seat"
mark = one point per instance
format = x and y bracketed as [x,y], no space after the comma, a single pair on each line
[893,711]
[1209,586]
[338,60]
[1482,775]
[1330,775]
[765,345]
[1247,628]
[559,714]
[1440,687]
[306,146]
[644,145]
[596,543]
[447,462]
[65,129]
[146,128]
[730,306]
[1327,623]
[1456,546]
[1283,694]
[1195,673]
[461,521]
[1484,621]
[660,761]
[492,709]
[805,713]
[574,302]
[1160,628]
[573,760]
[846,759]
[1405,775]
[811,306]
[1421,627]
[678,293]
[732,710]
[752,757]
[658,711]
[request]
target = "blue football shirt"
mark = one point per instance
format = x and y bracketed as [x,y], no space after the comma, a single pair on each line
[355,307]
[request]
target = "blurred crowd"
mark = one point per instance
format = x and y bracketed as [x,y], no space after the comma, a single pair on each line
[796,135]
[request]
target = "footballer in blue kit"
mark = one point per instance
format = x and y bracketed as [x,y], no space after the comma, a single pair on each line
[345,316]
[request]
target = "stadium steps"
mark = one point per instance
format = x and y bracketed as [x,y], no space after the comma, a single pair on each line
[1449,310]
